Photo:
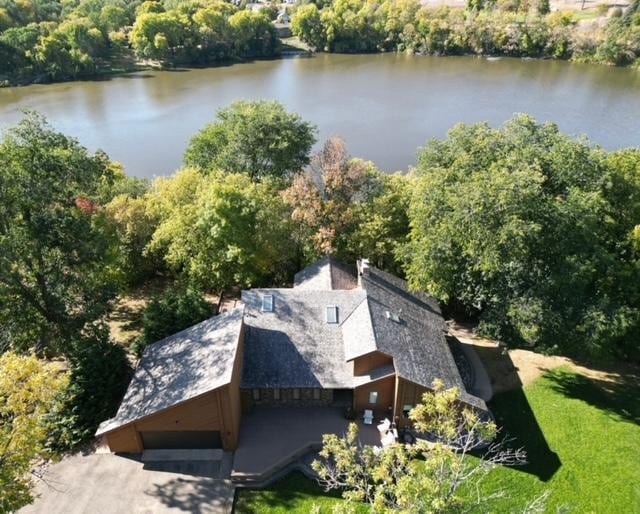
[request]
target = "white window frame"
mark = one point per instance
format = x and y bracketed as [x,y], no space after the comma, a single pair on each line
[267,303]
[329,317]
[373,395]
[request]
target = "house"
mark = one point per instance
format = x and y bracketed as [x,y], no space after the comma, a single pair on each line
[336,338]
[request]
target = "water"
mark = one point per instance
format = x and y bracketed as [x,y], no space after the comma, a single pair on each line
[385,106]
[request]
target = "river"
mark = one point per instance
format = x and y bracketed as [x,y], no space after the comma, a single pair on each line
[385,105]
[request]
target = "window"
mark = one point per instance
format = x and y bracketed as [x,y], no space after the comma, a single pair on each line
[316,394]
[256,394]
[267,303]
[406,410]
[276,394]
[373,397]
[296,394]
[332,314]
[393,316]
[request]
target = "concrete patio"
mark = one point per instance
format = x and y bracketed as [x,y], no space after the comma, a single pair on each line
[272,438]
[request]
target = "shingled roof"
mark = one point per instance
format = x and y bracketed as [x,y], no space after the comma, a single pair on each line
[181,367]
[294,346]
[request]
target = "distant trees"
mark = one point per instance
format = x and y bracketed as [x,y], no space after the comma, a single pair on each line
[261,139]
[520,225]
[485,28]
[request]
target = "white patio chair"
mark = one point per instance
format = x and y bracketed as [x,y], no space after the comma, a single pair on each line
[368,417]
[384,427]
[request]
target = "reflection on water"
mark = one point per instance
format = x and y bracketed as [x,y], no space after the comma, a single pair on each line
[386,106]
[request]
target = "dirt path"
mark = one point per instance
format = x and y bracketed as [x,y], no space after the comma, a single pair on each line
[518,368]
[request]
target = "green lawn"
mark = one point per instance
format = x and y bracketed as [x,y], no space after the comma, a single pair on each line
[583,441]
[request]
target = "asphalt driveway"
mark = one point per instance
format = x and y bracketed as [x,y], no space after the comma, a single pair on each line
[104,483]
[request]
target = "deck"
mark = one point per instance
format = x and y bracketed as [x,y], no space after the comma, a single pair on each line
[272,438]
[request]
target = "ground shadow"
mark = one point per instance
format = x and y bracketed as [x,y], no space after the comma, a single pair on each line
[193,495]
[616,394]
[514,415]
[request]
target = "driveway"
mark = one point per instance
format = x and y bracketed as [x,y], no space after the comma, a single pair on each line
[105,483]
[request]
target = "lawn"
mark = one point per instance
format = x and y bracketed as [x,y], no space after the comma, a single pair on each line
[582,437]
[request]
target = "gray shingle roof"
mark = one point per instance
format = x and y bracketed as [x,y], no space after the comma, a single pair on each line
[294,346]
[181,367]
[324,275]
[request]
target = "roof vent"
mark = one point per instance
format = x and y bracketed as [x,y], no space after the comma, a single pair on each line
[267,303]
[392,316]
[332,314]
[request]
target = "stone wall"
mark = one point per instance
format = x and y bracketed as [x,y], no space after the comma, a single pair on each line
[305,398]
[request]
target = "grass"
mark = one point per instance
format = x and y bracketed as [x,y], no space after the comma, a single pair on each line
[582,437]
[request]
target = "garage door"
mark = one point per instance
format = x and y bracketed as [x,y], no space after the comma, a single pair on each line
[181,440]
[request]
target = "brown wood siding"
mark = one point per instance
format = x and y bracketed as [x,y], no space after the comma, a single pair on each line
[407,393]
[198,414]
[125,440]
[385,388]
[369,362]
[231,403]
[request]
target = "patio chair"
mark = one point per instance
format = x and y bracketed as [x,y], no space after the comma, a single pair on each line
[368,417]
[384,427]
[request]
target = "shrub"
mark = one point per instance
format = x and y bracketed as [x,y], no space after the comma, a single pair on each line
[173,310]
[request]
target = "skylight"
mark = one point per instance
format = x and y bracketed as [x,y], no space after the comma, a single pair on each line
[267,303]
[332,314]
[393,316]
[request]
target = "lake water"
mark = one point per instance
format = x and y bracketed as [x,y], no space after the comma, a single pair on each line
[385,106]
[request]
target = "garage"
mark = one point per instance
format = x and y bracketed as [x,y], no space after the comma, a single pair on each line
[166,440]
[185,392]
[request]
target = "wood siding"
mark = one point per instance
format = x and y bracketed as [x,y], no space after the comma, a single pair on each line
[385,389]
[369,362]
[407,393]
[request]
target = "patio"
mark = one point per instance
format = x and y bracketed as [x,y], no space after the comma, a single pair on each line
[272,438]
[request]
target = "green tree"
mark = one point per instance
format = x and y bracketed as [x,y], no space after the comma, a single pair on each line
[174,310]
[510,224]
[253,35]
[261,139]
[55,274]
[30,389]
[307,25]
[221,230]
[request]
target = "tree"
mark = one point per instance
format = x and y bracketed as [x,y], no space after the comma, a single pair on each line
[428,477]
[326,202]
[177,308]
[261,139]
[30,389]
[55,274]
[221,230]
[307,25]
[518,226]
[253,35]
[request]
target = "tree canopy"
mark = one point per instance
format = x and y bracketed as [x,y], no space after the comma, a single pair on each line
[260,138]
[534,232]
[30,390]
[55,275]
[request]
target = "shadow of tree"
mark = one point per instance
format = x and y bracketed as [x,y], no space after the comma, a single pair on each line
[194,495]
[617,396]
[518,422]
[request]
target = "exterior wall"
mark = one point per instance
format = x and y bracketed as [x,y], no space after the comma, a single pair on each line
[385,389]
[306,399]
[407,393]
[125,440]
[369,362]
